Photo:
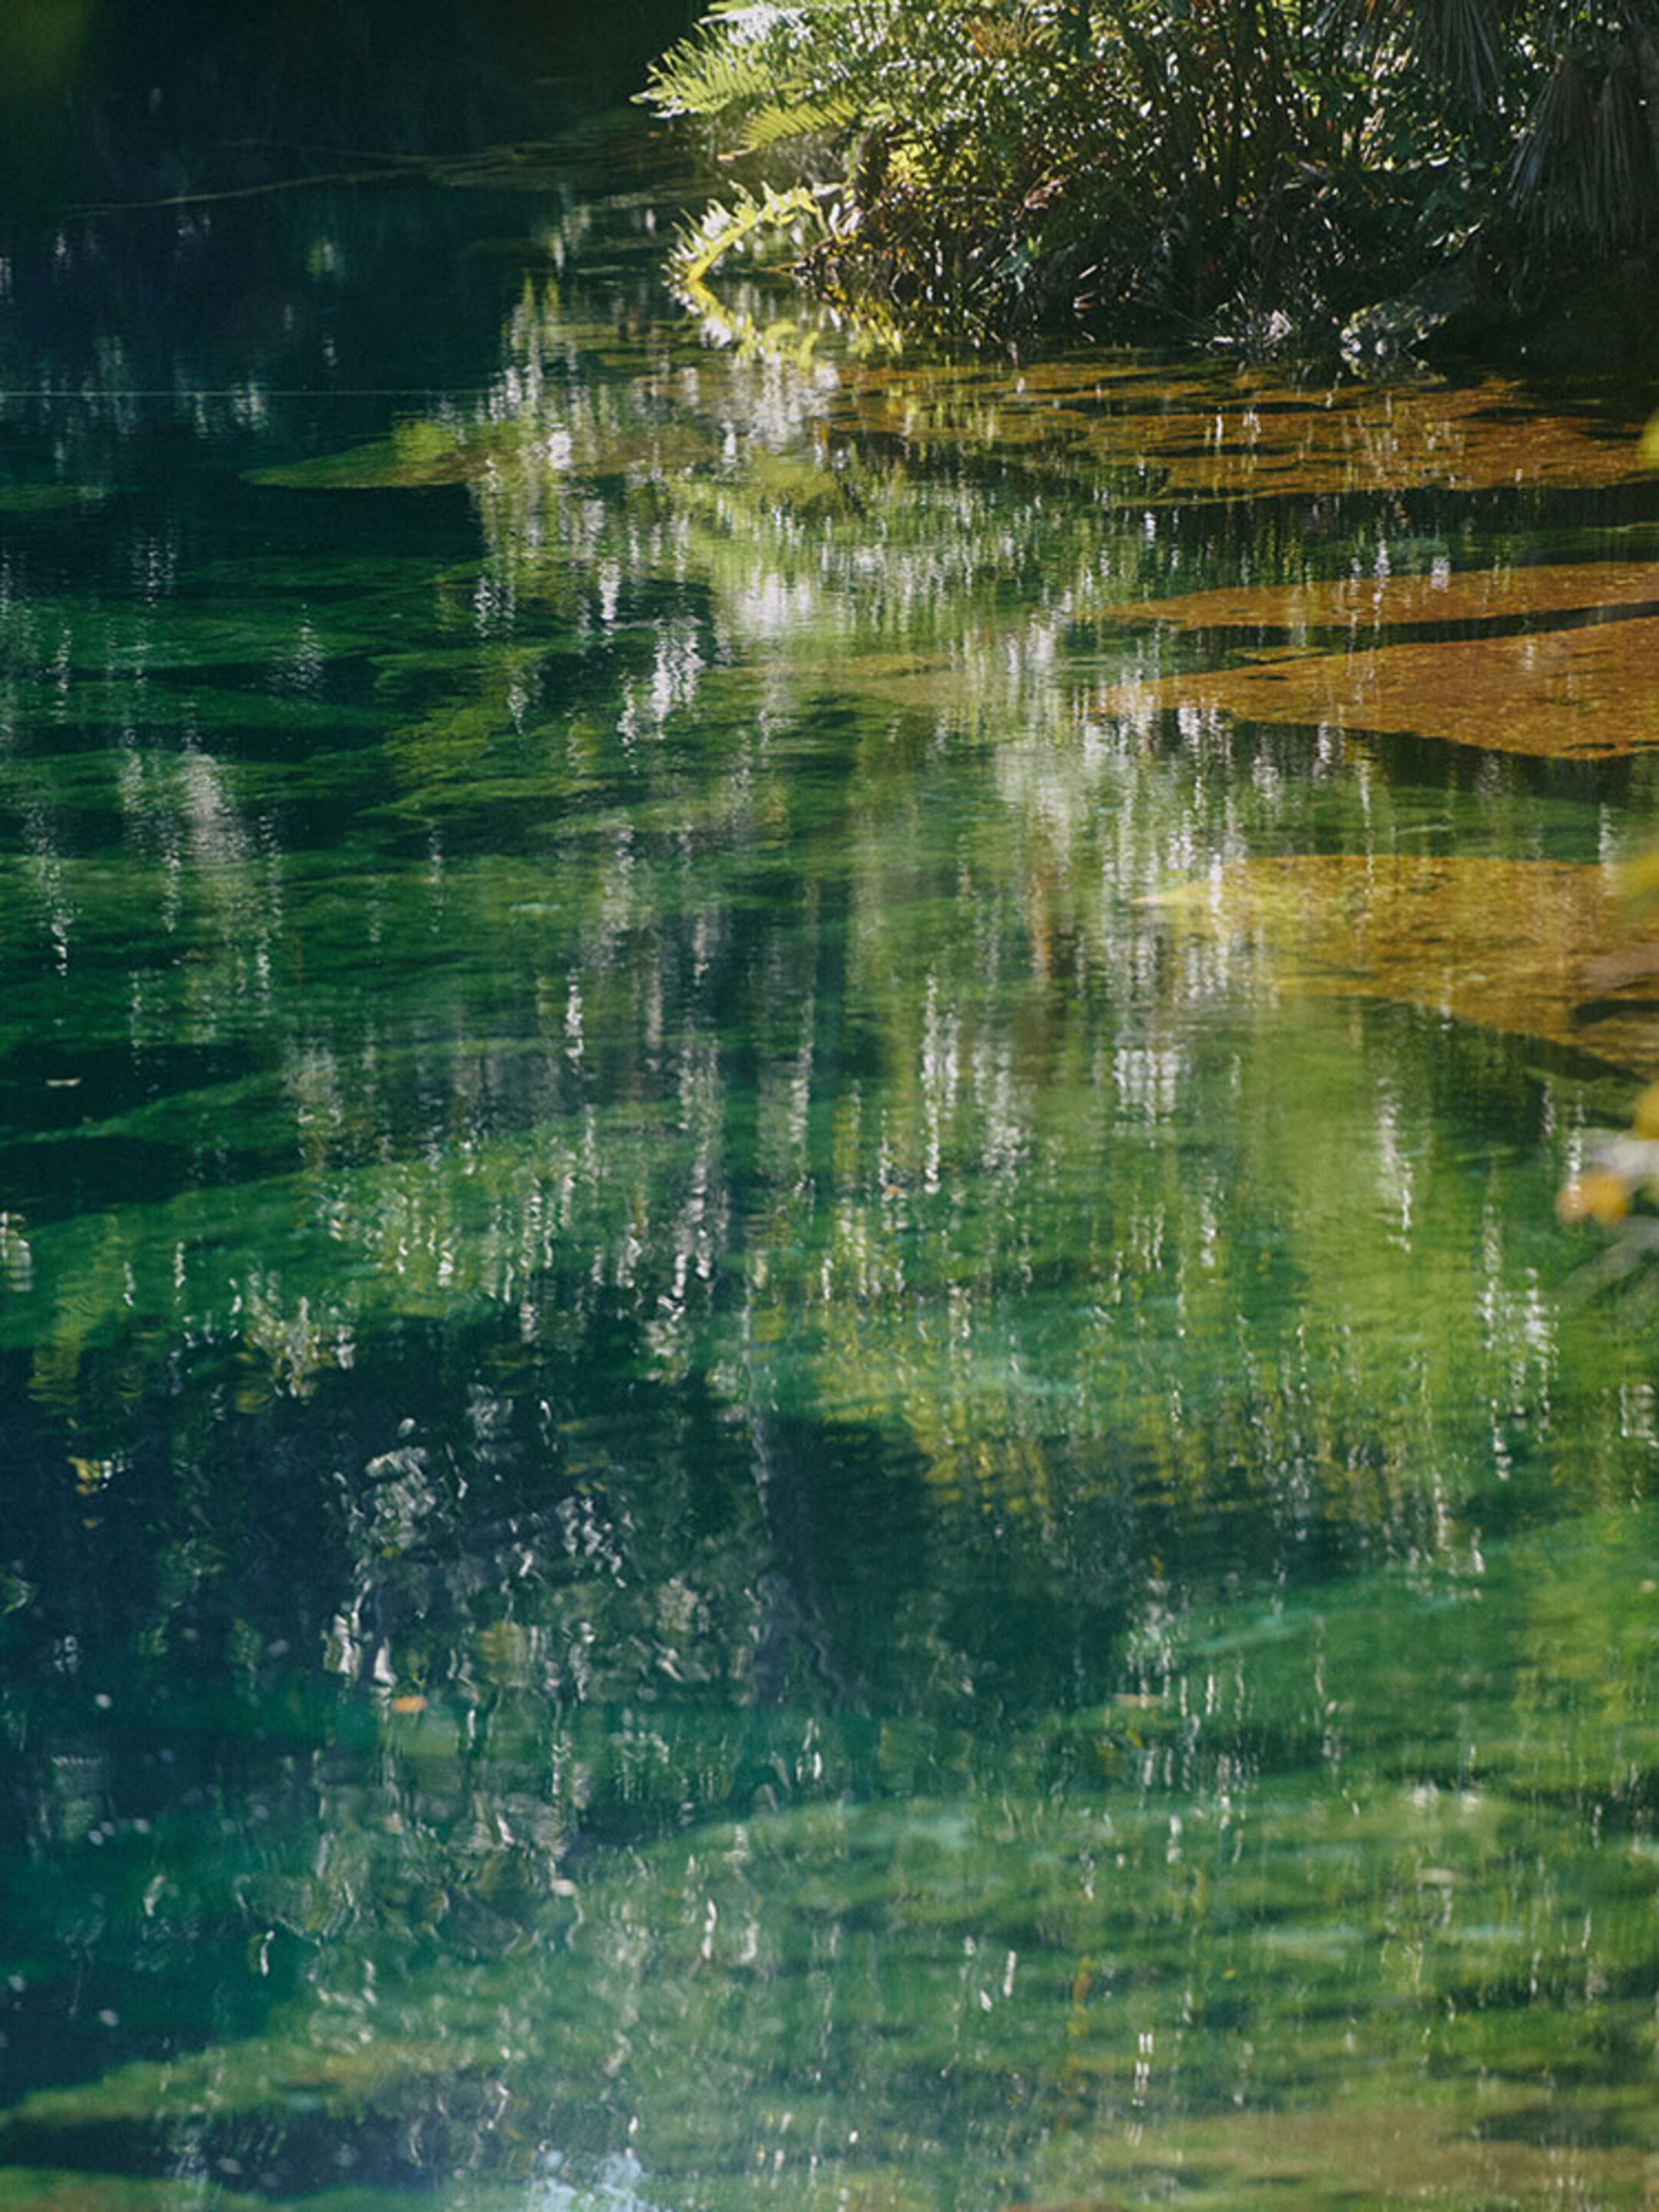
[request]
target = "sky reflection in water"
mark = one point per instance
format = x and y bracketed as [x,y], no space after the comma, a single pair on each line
[789,1414]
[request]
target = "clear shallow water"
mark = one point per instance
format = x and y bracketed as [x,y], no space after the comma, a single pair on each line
[743,1467]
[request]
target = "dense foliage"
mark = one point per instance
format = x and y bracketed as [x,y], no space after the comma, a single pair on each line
[1247,166]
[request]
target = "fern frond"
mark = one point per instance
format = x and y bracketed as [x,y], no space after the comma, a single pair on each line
[722,228]
[708,76]
[776,122]
[765,73]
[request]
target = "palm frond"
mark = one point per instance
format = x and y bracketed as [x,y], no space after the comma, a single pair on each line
[1548,154]
[1459,43]
[1460,40]
[1583,166]
[1622,157]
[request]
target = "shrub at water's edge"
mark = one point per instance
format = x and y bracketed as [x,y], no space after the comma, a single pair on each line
[1371,170]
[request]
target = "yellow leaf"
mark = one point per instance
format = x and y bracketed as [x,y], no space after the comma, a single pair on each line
[1598,1194]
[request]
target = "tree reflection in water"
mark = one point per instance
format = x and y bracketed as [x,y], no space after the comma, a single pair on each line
[739,1476]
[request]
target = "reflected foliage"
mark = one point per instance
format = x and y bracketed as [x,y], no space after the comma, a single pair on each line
[789,1411]
[1132,1948]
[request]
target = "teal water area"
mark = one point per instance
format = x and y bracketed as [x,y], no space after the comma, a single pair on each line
[791,1412]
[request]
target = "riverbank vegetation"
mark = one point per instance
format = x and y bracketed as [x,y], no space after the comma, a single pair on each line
[1361,173]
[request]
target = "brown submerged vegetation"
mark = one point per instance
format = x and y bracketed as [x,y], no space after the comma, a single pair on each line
[1362,603]
[1560,694]
[1500,943]
[1190,434]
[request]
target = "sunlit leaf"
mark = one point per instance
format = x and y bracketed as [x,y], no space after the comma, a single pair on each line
[1596,1195]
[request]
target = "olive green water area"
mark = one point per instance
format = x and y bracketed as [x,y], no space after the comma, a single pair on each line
[791,1412]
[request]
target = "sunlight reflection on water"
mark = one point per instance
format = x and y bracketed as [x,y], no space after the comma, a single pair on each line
[616,2187]
[782,1297]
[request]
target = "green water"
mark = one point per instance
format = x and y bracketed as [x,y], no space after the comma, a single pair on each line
[733,1478]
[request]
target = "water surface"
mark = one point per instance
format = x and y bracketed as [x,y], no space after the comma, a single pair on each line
[792,1413]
